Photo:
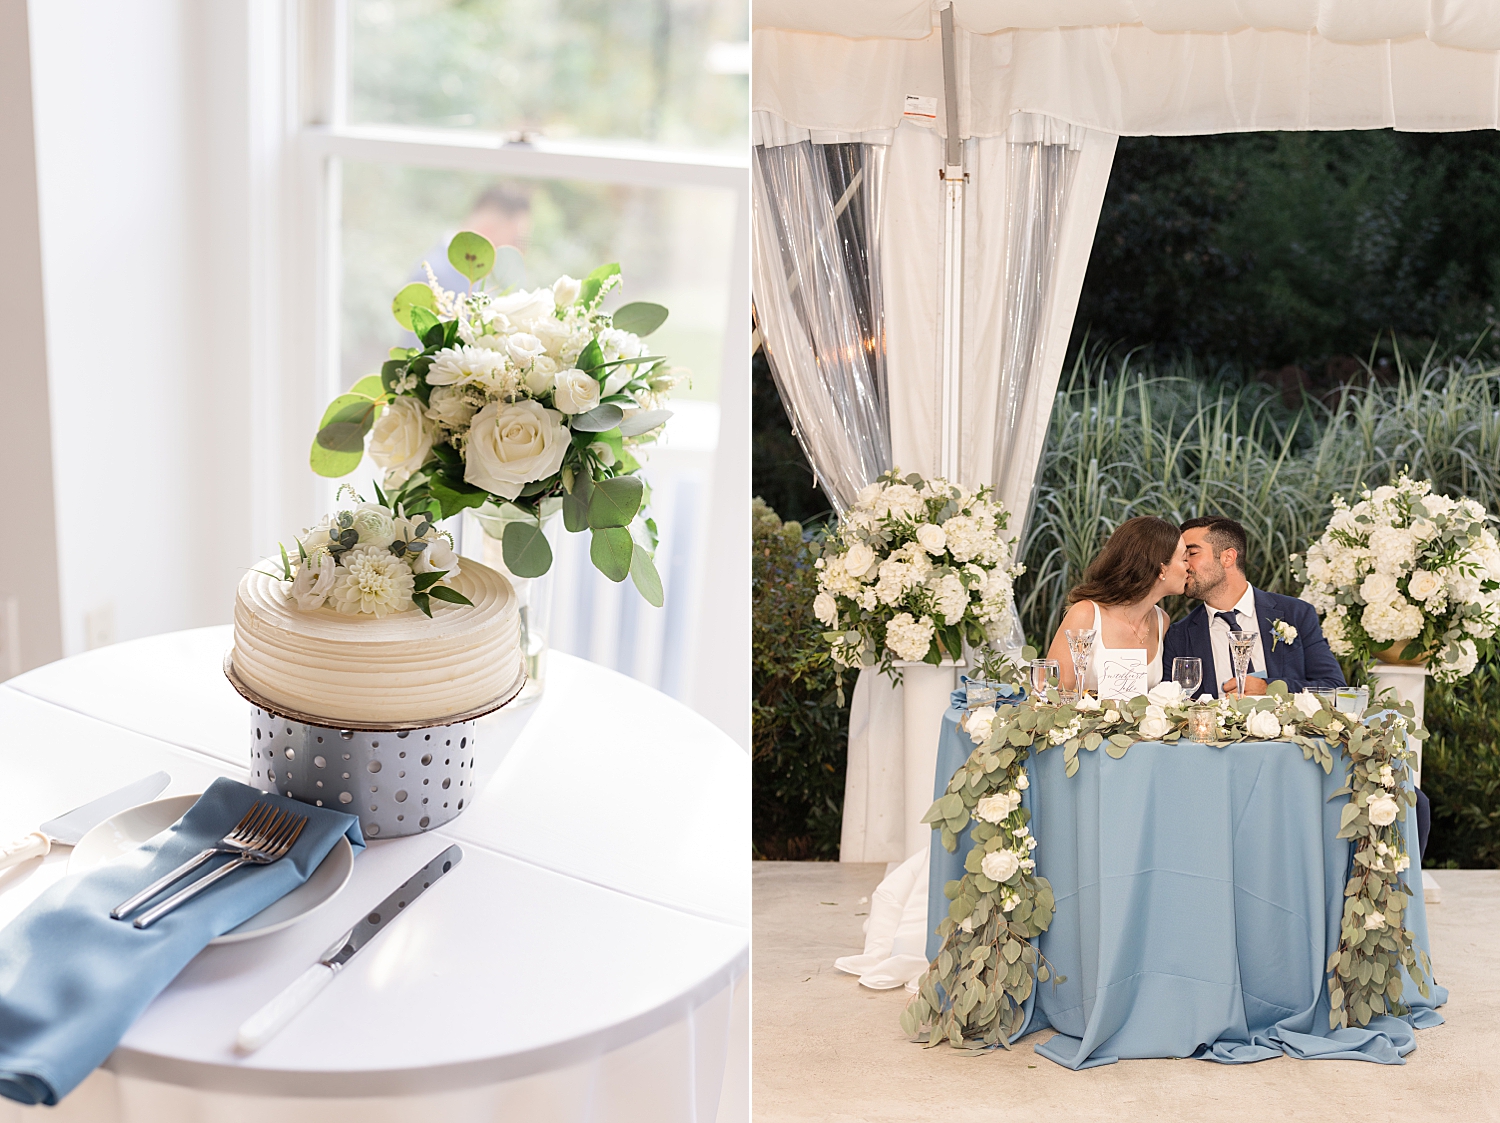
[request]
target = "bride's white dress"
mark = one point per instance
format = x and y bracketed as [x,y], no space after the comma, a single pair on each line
[1102,654]
[896,932]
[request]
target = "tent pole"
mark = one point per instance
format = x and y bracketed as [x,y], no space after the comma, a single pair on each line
[954,181]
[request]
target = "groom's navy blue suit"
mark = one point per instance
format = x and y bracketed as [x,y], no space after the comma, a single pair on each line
[1304,664]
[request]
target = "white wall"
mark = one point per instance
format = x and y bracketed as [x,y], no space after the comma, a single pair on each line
[30,623]
[142,150]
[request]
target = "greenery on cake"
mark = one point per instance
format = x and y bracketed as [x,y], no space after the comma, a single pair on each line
[372,559]
[519,404]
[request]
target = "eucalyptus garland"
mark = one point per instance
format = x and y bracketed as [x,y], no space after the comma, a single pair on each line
[972,994]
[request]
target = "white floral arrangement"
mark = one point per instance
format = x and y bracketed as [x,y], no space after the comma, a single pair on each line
[371,559]
[973,995]
[1407,572]
[915,569]
[518,404]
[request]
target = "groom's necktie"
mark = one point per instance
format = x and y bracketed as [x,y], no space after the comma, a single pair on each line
[1232,618]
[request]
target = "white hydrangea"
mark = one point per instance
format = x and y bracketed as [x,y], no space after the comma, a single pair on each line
[908,637]
[950,598]
[1392,621]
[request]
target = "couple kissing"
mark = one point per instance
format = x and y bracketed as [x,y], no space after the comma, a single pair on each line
[1147,559]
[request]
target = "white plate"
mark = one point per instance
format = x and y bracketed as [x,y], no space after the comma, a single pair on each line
[122,833]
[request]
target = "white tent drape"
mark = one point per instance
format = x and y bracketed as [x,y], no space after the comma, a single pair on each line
[815,277]
[1032,206]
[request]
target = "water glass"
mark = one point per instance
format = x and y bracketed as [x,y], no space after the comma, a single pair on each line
[1188,674]
[1046,674]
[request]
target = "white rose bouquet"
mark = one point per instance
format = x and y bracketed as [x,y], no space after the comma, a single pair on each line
[914,570]
[1406,574]
[517,404]
[371,559]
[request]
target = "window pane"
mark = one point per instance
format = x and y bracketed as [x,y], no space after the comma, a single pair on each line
[673,246]
[673,72]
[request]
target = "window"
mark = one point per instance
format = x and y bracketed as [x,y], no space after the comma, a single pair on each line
[577,132]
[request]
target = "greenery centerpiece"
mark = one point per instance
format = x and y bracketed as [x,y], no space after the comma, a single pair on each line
[972,995]
[1406,575]
[914,570]
[517,404]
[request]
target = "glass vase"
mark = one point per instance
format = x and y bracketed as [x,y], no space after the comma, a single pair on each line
[533,594]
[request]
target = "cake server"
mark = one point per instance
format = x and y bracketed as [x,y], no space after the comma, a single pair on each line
[67,829]
[271,1018]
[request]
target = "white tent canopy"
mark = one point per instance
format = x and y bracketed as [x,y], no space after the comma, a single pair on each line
[1164,68]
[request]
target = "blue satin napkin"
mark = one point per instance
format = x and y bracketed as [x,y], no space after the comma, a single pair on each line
[72,980]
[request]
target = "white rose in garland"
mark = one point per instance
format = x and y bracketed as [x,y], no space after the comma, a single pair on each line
[915,569]
[1406,574]
[1263,724]
[510,445]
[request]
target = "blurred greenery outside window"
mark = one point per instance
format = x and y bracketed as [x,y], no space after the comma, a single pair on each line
[643,80]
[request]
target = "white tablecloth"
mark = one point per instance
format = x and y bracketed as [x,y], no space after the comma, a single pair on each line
[587,961]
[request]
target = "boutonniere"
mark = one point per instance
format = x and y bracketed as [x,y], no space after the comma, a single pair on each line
[1284,633]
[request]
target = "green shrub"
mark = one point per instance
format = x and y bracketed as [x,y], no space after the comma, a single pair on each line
[800,732]
[1461,771]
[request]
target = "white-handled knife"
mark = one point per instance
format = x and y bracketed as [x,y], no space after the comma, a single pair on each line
[271,1018]
[68,829]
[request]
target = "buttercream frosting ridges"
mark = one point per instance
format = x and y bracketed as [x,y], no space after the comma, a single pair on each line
[403,667]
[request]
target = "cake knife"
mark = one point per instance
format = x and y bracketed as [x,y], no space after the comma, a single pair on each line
[68,829]
[271,1018]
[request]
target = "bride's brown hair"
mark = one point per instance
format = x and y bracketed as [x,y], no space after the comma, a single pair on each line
[1129,564]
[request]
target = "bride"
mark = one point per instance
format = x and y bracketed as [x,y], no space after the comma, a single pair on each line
[1143,561]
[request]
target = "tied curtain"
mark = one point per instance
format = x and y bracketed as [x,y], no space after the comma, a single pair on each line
[857,354]
[816,284]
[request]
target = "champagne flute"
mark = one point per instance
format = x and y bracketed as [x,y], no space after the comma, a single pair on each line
[1081,648]
[1241,646]
[1046,674]
[1188,674]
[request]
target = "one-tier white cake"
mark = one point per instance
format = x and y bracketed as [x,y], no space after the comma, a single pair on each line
[400,668]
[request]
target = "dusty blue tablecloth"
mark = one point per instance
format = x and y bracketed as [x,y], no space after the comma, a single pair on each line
[1199,892]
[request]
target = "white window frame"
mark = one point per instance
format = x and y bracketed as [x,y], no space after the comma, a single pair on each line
[299,127]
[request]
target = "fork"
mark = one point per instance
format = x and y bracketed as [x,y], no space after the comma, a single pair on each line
[274,842]
[243,835]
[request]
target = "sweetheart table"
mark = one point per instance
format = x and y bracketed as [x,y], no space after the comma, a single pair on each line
[1199,892]
[581,963]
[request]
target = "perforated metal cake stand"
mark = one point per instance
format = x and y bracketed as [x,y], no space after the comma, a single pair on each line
[399,778]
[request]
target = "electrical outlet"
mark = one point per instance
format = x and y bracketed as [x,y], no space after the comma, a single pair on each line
[99,627]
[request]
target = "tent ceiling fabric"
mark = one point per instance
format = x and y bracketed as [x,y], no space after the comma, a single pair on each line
[1129,80]
[1466,24]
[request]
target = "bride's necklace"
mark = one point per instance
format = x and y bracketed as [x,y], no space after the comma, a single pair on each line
[1135,630]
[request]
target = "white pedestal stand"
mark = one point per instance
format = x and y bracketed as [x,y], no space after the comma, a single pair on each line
[1410,685]
[925,690]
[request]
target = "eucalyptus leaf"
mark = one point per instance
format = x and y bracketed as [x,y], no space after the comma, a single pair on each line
[526,550]
[645,578]
[414,295]
[615,502]
[639,318]
[471,254]
[575,507]
[600,419]
[326,462]
[611,551]
[370,386]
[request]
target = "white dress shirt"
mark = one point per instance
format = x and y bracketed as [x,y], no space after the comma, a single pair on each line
[1218,637]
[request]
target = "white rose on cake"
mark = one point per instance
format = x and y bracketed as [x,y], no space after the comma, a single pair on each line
[575,391]
[375,524]
[313,583]
[400,439]
[511,444]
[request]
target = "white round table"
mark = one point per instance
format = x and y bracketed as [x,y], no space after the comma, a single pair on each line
[586,961]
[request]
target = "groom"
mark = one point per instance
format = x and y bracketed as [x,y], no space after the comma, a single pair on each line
[1289,643]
